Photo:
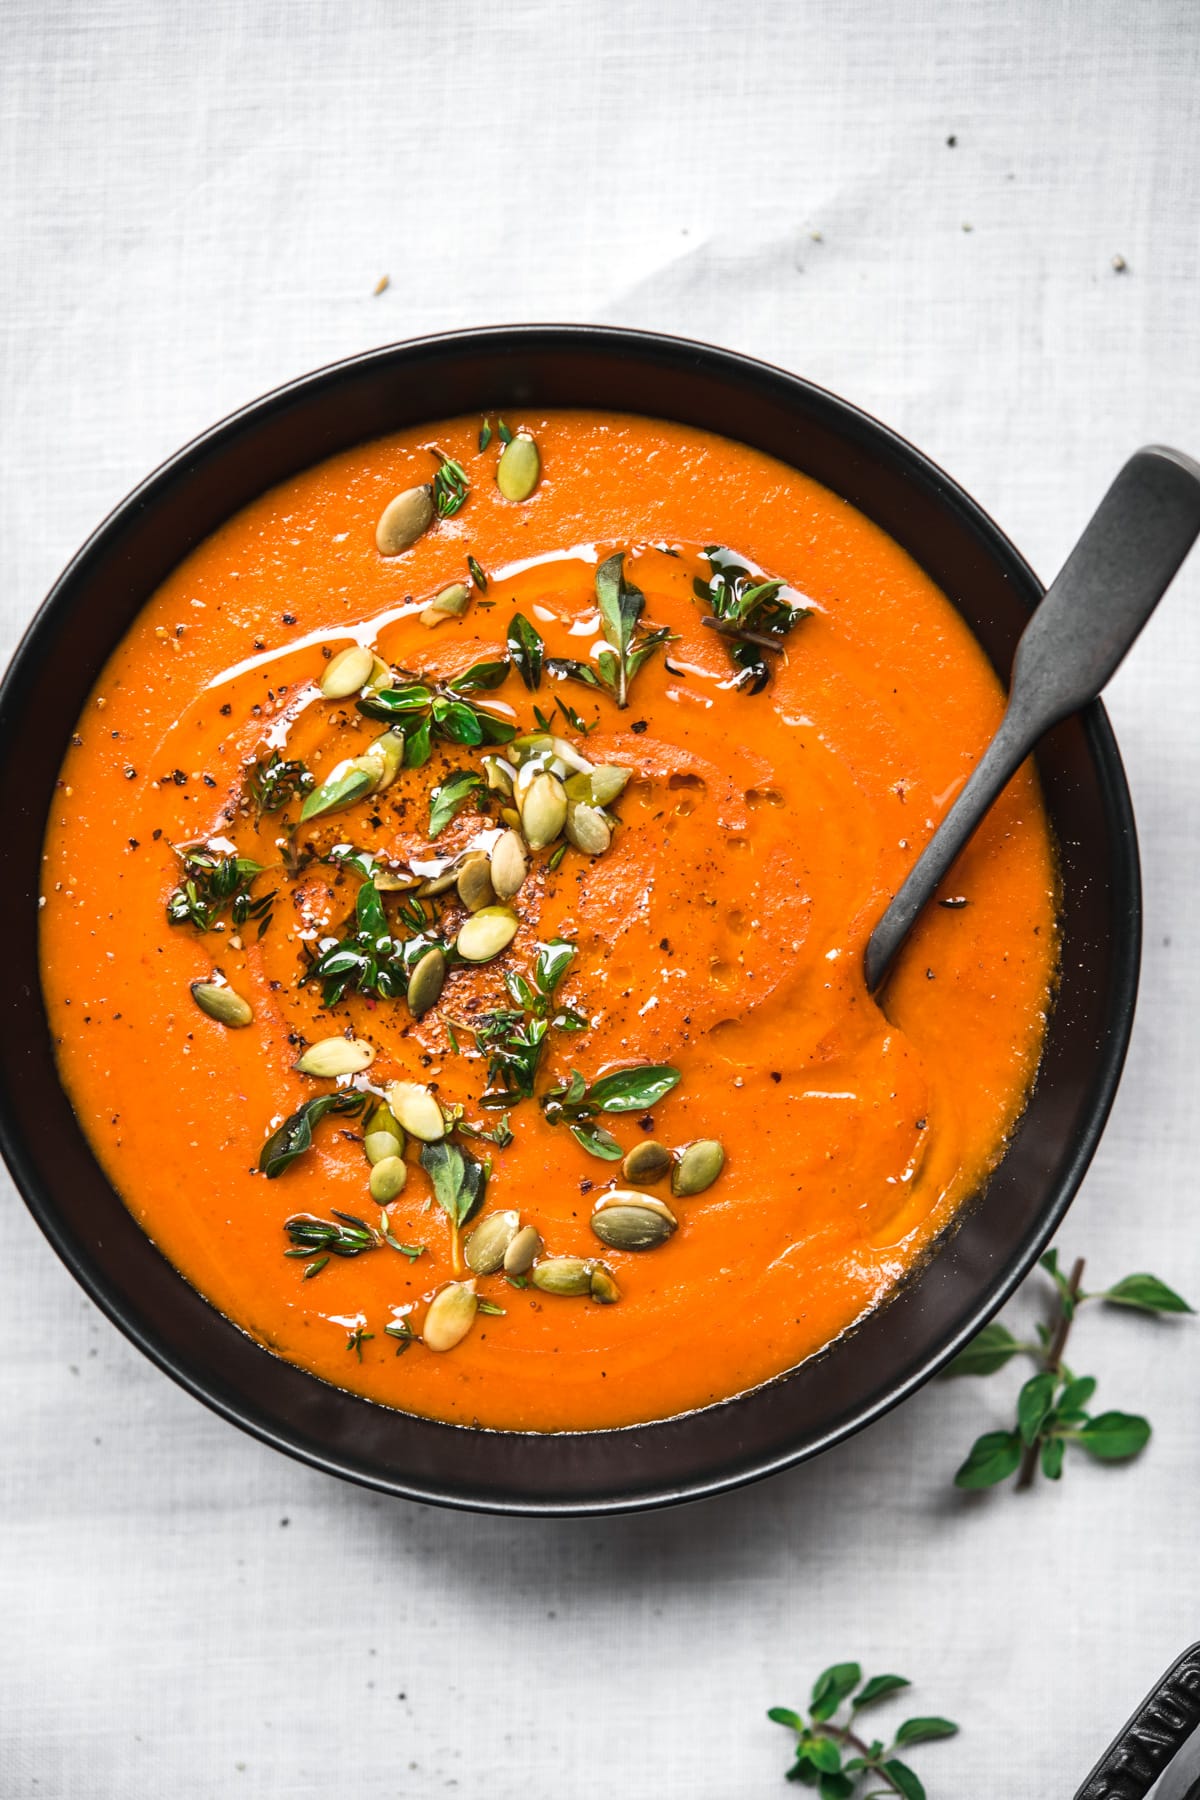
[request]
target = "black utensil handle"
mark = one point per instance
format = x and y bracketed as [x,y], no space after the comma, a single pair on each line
[1148,1742]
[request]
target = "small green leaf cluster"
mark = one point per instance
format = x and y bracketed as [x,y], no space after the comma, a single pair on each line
[369,960]
[629,644]
[1052,1404]
[513,1037]
[273,783]
[824,1738]
[423,711]
[736,597]
[213,884]
[621,1091]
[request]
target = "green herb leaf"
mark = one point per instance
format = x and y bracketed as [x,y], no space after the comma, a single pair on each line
[477,575]
[482,677]
[450,489]
[1115,1436]
[491,1309]
[214,883]
[459,1179]
[343,1235]
[597,1142]
[925,1731]
[485,435]
[503,433]
[904,1779]
[527,649]
[565,668]
[1075,1396]
[295,1135]
[1052,1457]
[448,799]
[783,1715]
[401,1330]
[632,1090]
[1067,1299]
[993,1457]
[823,1754]
[877,1688]
[553,961]
[987,1352]
[832,1687]
[273,784]
[1146,1293]
[338,791]
[1034,1403]
[418,747]
[835,1787]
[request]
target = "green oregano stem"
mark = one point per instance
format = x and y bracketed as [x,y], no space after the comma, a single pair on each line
[1054,1354]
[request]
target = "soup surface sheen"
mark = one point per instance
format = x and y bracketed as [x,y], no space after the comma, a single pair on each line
[720,935]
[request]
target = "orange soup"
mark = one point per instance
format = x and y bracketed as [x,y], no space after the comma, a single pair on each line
[454,909]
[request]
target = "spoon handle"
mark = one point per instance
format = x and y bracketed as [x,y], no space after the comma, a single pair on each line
[1103,595]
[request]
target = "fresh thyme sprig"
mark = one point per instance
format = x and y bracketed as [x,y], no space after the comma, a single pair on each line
[629,643]
[749,612]
[825,1736]
[1051,1406]
[213,883]
[513,1037]
[450,488]
[323,1238]
[369,959]
[273,783]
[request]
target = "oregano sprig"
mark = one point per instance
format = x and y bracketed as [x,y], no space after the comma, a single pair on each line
[824,1737]
[1052,1404]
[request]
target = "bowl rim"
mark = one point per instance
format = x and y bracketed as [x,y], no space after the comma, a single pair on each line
[1124,872]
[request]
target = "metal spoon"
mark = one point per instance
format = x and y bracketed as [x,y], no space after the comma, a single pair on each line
[1105,592]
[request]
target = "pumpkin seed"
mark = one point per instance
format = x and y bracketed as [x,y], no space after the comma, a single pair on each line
[451,603]
[627,1220]
[439,884]
[521,1251]
[697,1166]
[523,749]
[602,786]
[604,1288]
[568,754]
[380,677]
[475,882]
[403,520]
[563,1275]
[647,1161]
[347,672]
[388,1178]
[222,1004]
[499,775]
[417,1111]
[426,982]
[333,1056]
[488,1244]
[588,829]
[511,817]
[381,1121]
[486,933]
[519,467]
[543,810]
[450,1316]
[509,865]
[381,1145]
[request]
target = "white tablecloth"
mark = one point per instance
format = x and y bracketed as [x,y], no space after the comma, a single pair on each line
[919,206]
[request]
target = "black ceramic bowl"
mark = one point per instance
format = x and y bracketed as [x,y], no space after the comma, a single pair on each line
[937,1311]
